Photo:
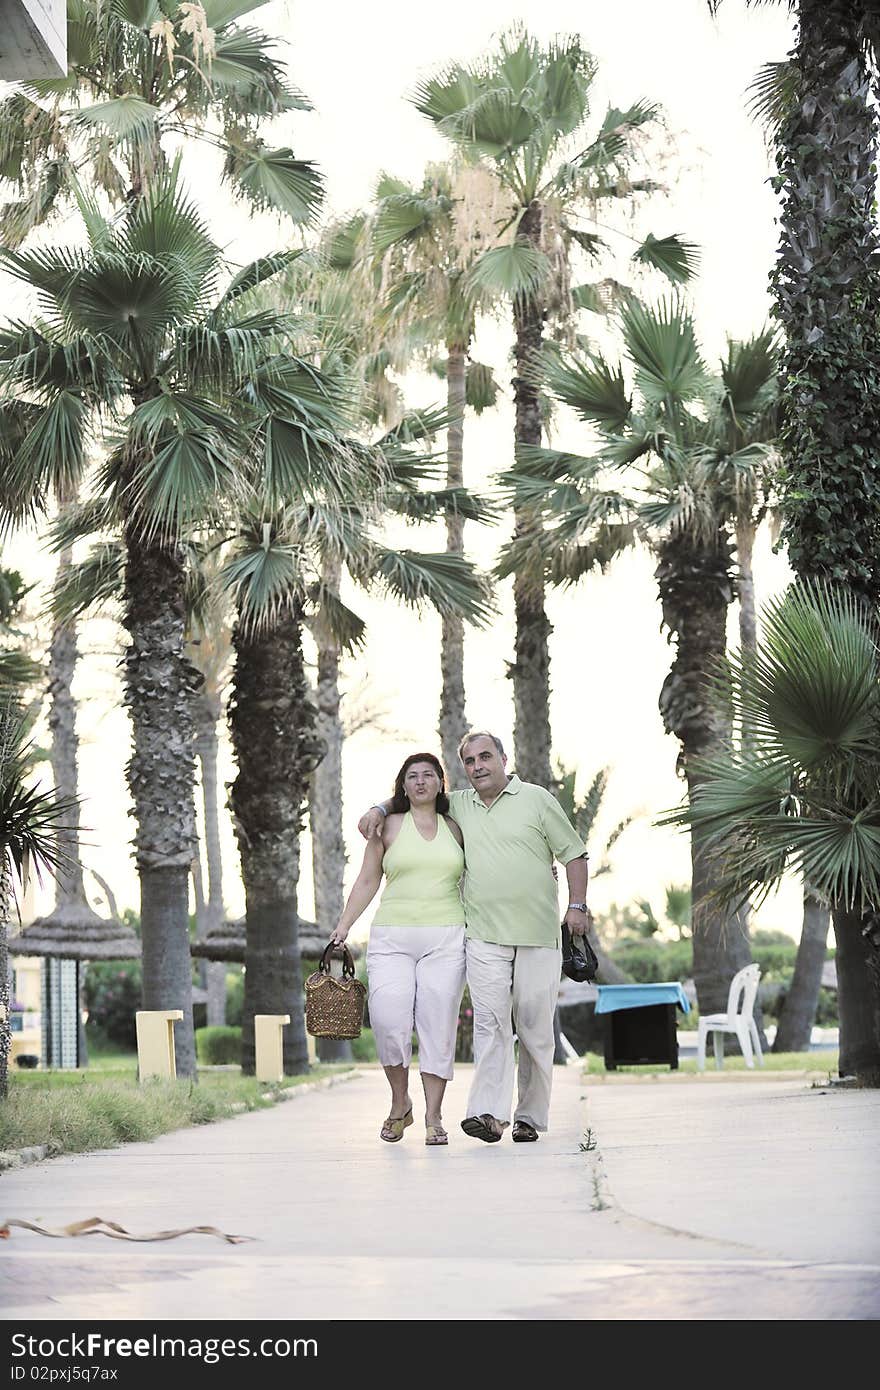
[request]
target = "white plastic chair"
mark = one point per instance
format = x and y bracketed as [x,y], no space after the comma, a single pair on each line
[738,1019]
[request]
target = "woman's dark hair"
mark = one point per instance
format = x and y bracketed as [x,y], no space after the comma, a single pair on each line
[400,800]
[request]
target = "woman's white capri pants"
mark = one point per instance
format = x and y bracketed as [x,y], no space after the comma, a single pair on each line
[416,978]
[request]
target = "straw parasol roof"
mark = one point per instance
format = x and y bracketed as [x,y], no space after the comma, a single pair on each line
[72,931]
[227,941]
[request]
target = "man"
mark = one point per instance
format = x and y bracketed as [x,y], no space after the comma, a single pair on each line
[512,832]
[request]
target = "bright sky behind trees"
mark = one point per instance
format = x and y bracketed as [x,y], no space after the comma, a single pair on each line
[356,63]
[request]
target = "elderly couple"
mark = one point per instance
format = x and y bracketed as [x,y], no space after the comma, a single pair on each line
[503,836]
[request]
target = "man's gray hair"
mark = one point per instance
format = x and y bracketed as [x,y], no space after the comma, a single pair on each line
[480,733]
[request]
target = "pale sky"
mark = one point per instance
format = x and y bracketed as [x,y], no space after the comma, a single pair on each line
[608,656]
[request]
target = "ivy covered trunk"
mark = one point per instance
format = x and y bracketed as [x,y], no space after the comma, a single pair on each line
[453,724]
[826,285]
[273,736]
[531,668]
[325,799]
[858,995]
[159,689]
[695,593]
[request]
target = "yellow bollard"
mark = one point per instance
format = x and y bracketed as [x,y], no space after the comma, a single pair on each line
[268,1045]
[155,1042]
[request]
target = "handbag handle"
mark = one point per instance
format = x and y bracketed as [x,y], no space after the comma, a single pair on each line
[347,960]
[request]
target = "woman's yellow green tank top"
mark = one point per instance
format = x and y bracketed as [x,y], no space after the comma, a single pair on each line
[421,879]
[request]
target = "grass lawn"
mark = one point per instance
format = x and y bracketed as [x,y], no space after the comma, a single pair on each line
[103,1106]
[820,1065]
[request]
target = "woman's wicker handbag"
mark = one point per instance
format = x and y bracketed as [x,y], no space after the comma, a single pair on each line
[335,1008]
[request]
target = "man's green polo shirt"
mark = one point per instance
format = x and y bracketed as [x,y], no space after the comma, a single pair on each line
[510,894]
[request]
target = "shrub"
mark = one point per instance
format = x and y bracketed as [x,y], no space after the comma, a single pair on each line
[648,962]
[363,1049]
[464,1038]
[234,997]
[217,1047]
[112,994]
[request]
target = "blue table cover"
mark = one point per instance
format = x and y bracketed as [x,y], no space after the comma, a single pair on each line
[613,997]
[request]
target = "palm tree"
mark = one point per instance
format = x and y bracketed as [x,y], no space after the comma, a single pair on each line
[583,812]
[680,422]
[31,825]
[277,571]
[804,794]
[427,240]
[523,112]
[134,328]
[142,73]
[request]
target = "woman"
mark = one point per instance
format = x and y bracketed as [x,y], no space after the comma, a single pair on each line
[415,959]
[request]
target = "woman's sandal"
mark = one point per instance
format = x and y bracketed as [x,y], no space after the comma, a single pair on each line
[436,1134]
[392,1129]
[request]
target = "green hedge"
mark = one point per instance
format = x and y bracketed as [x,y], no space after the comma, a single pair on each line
[650,961]
[218,1046]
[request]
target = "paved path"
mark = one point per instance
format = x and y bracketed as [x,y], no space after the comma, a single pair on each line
[704,1199]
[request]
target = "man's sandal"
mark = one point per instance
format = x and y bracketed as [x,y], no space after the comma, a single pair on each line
[392,1129]
[483,1127]
[435,1134]
[523,1132]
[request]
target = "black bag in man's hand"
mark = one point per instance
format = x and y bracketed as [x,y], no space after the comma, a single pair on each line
[579,960]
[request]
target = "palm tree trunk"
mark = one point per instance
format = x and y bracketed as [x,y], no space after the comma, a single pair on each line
[695,593]
[273,736]
[159,688]
[798,1013]
[745,544]
[531,668]
[207,715]
[63,657]
[858,994]
[453,723]
[325,801]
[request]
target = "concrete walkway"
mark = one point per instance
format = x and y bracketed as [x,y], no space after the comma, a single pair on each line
[704,1198]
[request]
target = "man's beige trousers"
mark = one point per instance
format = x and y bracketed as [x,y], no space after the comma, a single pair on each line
[512,987]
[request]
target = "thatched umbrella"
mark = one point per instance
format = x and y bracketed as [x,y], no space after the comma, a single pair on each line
[72,931]
[227,942]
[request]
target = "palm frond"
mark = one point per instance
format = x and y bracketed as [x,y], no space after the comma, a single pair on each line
[772,94]
[674,257]
[427,504]
[481,388]
[275,181]
[250,277]
[592,387]
[90,584]
[265,577]
[52,453]
[187,451]
[517,271]
[346,627]
[126,117]
[662,345]
[448,582]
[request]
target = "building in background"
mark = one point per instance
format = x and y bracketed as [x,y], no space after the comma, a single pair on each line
[33,39]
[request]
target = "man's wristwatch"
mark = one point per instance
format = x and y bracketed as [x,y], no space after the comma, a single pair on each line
[577,907]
